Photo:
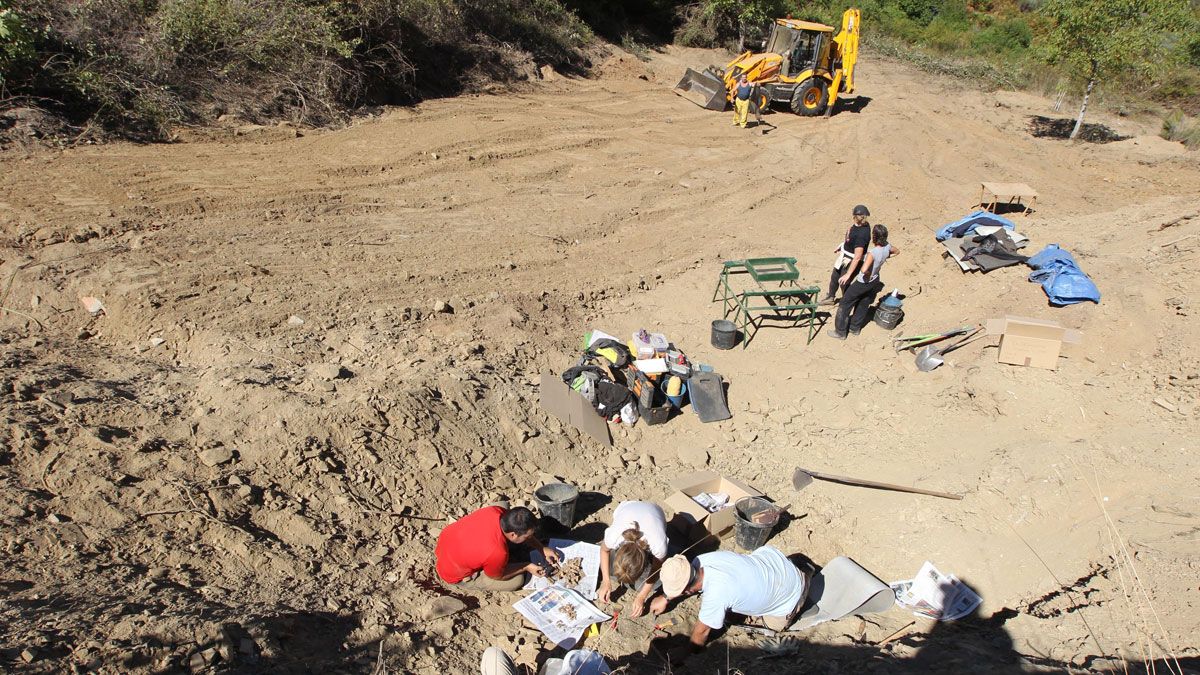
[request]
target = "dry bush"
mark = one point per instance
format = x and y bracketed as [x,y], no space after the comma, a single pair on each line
[138,67]
[1179,127]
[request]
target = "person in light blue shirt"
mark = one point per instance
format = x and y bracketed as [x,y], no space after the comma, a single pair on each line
[763,585]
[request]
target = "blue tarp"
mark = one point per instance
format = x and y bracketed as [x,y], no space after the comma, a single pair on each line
[961,228]
[1058,273]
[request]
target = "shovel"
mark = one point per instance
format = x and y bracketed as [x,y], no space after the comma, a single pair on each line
[802,477]
[915,341]
[931,356]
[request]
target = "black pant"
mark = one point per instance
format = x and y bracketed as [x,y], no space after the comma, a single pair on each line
[855,306]
[837,274]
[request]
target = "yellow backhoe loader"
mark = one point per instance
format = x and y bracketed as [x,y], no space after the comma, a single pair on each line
[803,65]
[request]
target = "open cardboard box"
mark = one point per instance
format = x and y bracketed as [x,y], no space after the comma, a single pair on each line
[689,514]
[1031,342]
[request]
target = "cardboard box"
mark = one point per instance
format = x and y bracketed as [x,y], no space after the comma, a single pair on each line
[1031,342]
[690,513]
[572,408]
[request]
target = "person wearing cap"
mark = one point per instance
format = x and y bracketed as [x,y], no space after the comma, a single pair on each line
[473,551]
[849,254]
[763,585]
[575,662]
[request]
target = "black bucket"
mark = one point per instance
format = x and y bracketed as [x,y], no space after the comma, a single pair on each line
[888,317]
[556,501]
[756,517]
[724,334]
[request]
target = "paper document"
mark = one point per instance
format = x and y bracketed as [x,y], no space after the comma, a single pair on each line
[567,549]
[561,614]
[936,596]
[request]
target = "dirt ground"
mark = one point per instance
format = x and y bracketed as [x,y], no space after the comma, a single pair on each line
[243,463]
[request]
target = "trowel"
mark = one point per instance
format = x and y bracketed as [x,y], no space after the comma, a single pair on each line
[802,477]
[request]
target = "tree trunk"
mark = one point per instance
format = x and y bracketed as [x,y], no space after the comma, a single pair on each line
[741,36]
[1083,108]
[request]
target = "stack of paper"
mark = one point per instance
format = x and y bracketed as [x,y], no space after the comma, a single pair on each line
[936,596]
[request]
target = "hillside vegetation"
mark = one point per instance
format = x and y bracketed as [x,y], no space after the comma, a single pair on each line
[138,67]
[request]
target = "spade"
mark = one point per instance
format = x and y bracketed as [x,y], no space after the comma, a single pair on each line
[802,477]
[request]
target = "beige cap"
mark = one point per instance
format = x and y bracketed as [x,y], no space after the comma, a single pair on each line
[676,574]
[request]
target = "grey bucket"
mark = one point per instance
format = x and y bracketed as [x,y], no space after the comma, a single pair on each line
[556,501]
[888,317]
[755,518]
[724,334]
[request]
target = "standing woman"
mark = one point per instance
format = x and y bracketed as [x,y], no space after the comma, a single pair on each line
[856,303]
[633,549]
[741,102]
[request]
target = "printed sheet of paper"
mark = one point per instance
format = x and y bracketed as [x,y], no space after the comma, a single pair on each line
[561,614]
[936,596]
[567,549]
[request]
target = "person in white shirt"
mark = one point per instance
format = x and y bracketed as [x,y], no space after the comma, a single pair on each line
[634,547]
[763,585]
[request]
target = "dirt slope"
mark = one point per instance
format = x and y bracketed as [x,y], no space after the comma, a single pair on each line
[244,462]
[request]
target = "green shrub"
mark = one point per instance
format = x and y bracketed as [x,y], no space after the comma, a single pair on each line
[17,43]
[1005,37]
[1191,50]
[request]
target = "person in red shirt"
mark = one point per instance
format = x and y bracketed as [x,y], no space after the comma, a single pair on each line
[473,551]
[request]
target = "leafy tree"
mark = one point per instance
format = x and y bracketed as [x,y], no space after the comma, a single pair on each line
[745,14]
[1099,38]
[16,43]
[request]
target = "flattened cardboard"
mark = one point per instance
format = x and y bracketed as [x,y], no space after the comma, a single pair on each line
[572,408]
[687,510]
[1031,342]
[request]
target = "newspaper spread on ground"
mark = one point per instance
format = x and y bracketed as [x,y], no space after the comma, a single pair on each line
[561,614]
[936,596]
[567,549]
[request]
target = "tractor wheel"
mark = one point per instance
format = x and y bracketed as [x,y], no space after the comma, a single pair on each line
[811,97]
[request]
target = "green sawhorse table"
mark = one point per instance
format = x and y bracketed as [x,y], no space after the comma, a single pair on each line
[775,295]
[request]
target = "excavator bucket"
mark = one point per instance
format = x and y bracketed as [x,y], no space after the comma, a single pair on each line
[706,89]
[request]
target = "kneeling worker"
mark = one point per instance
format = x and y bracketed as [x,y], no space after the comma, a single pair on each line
[763,584]
[473,551]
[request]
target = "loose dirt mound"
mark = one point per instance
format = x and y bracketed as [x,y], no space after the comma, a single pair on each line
[316,351]
[1049,127]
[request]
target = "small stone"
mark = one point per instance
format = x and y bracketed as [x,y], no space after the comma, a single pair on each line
[327,371]
[93,305]
[1164,404]
[442,307]
[294,320]
[55,518]
[697,457]
[156,341]
[28,654]
[214,455]
[35,301]
[443,606]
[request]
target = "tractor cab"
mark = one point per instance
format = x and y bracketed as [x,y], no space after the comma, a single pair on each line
[799,43]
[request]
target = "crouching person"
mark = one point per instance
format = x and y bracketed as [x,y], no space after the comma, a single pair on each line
[764,586]
[633,548]
[473,551]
